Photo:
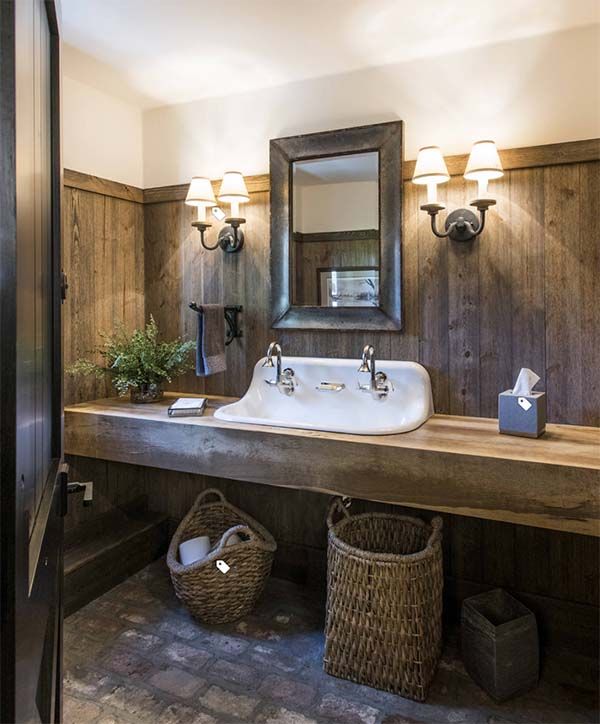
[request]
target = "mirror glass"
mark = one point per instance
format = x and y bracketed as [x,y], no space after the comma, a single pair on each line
[335,231]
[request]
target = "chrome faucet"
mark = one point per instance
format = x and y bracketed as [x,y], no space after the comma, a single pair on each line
[378,386]
[284,381]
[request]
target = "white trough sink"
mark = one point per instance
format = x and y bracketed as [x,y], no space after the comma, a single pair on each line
[342,407]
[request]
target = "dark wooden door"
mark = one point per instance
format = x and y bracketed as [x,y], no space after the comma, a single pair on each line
[32,485]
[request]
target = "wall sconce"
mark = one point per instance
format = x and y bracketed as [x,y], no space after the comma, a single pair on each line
[201,195]
[233,191]
[483,166]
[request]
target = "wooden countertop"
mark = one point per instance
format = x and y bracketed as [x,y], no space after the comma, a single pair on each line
[454,464]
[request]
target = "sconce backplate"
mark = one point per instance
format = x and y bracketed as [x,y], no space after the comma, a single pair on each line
[466,225]
[230,239]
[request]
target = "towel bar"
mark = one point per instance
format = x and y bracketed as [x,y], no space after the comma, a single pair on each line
[231,319]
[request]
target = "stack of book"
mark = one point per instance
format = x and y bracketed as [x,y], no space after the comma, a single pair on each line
[184,406]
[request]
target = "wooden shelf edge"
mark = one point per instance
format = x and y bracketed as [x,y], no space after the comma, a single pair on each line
[571,446]
[541,493]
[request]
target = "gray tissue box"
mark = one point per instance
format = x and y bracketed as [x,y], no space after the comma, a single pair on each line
[513,419]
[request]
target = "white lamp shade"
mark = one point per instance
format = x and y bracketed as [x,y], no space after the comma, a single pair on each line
[484,162]
[233,189]
[430,167]
[200,193]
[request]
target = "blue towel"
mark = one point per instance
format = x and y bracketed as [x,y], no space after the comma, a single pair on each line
[210,342]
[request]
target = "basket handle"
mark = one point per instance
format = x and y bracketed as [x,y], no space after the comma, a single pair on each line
[337,506]
[436,530]
[211,491]
[235,529]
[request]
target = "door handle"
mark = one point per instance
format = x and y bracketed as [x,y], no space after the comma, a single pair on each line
[68,488]
[87,488]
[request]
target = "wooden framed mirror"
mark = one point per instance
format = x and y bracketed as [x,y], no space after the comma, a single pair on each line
[336,229]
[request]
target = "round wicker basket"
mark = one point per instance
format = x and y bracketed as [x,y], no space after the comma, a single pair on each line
[210,595]
[384,600]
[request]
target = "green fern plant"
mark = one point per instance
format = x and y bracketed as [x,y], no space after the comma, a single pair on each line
[138,359]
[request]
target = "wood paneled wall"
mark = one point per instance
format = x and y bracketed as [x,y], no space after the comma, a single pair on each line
[523,294]
[103,257]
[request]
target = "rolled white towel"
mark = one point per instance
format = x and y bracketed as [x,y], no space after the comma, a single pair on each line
[231,541]
[194,549]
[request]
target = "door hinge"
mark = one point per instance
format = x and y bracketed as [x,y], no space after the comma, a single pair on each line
[64,286]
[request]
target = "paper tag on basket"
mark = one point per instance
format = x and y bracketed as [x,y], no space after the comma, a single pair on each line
[222,566]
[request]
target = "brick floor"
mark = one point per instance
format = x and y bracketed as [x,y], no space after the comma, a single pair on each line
[135,655]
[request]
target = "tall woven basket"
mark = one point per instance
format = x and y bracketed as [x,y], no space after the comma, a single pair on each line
[384,600]
[211,596]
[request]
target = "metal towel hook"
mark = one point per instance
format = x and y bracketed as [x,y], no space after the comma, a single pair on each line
[232,320]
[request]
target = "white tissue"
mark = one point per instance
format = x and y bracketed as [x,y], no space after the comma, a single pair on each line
[526,381]
[194,549]
[232,540]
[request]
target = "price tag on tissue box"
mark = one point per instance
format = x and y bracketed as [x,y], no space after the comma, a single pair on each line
[521,411]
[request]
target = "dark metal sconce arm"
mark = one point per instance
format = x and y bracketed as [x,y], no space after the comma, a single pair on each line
[461,227]
[433,216]
[433,210]
[202,227]
[481,221]
[230,239]
[461,224]
[206,246]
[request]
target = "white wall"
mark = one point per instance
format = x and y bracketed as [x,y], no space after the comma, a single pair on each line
[349,206]
[102,134]
[527,92]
